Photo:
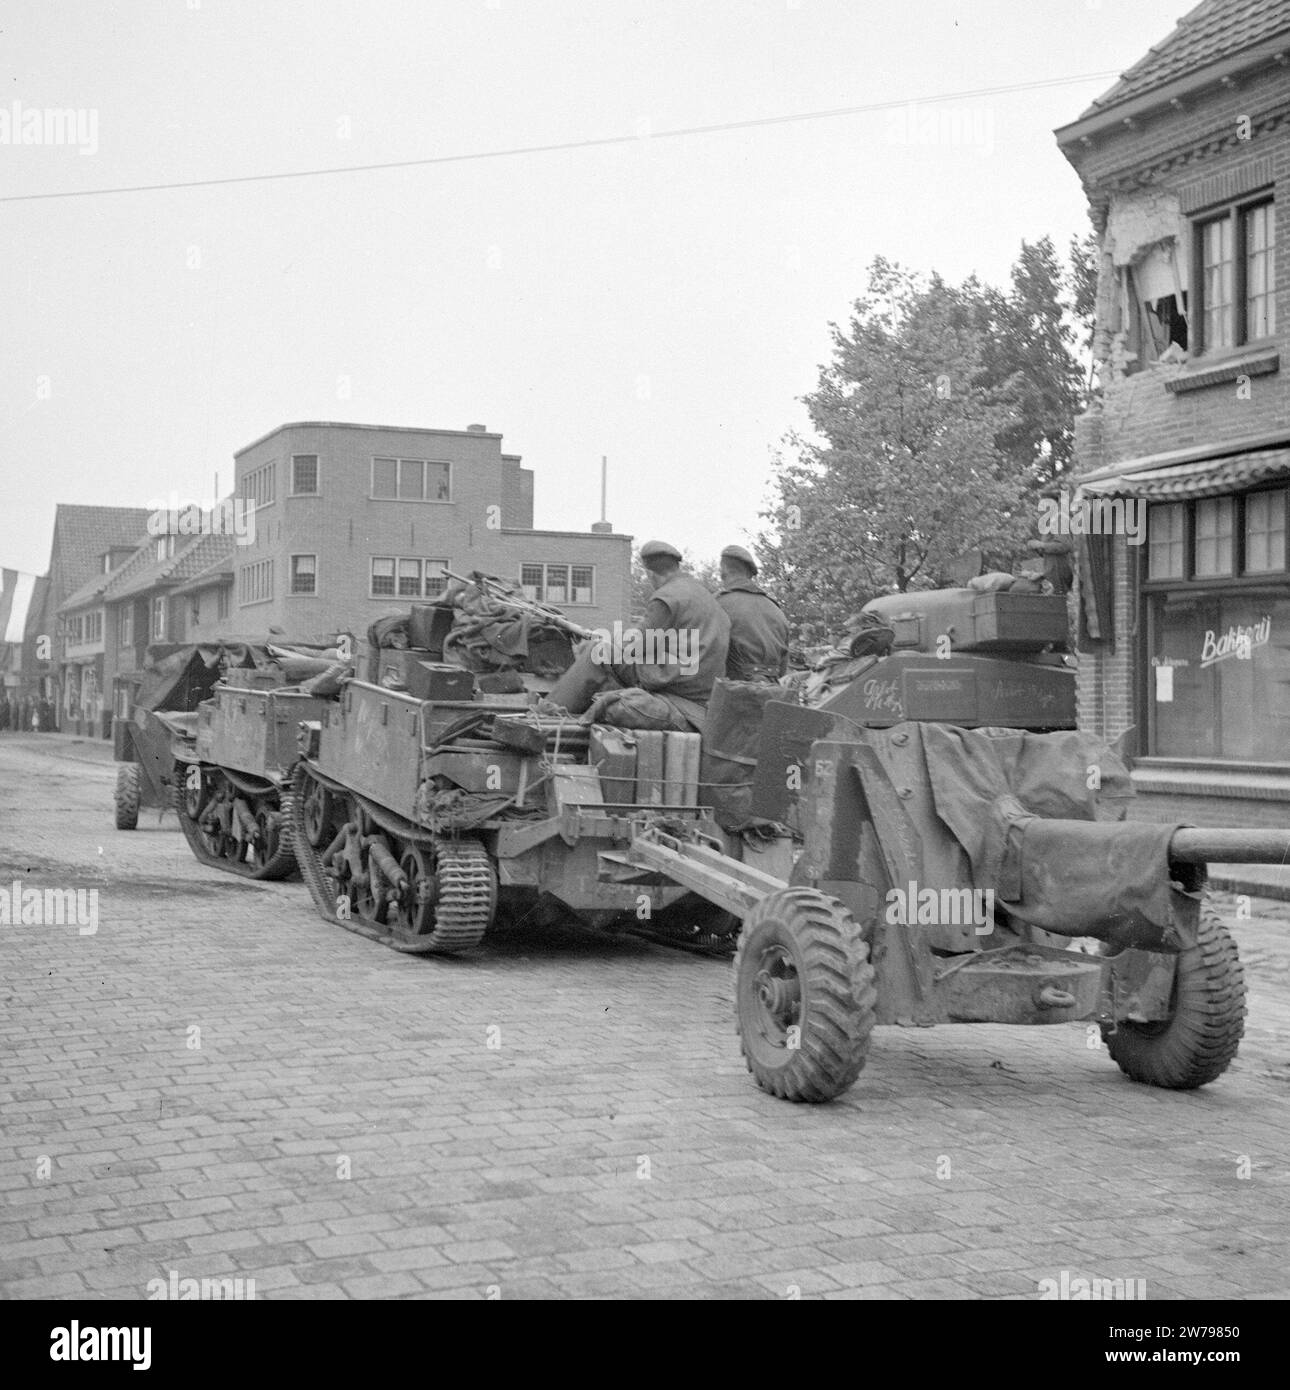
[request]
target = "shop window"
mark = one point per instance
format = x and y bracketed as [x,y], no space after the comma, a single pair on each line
[1166,549]
[1219,686]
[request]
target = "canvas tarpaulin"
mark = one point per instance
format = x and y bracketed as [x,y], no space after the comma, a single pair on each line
[1038,816]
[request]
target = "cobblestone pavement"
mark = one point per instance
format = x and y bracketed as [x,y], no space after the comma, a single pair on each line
[217,1083]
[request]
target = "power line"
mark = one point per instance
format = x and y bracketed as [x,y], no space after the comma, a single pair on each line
[592,143]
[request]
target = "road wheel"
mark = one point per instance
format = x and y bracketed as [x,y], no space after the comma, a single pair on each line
[129,793]
[804,995]
[1197,1042]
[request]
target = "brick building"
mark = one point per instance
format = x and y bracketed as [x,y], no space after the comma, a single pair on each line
[158,590]
[86,543]
[1185,639]
[354,522]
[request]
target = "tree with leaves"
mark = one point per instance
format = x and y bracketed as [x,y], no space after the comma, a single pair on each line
[910,473]
[945,410]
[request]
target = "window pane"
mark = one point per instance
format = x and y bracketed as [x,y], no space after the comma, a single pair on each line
[304,570]
[557,583]
[384,478]
[382,576]
[1260,272]
[437,475]
[581,584]
[410,479]
[409,578]
[1165,541]
[1216,262]
[1265,535]
[1214,536]
[531,581]
[436,579]
[304,470]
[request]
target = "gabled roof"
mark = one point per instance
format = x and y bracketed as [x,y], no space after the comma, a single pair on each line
[143,571]
[219,571]
[1214,30]
[83,534]
[89,591]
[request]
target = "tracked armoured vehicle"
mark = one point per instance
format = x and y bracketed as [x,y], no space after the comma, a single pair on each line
[232,757]
[955,836]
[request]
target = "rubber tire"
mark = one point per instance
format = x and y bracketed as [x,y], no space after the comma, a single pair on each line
[831,958]
[1200,1040]
[129,794]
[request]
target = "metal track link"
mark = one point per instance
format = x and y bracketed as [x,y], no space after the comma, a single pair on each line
[282,864]
[465,889]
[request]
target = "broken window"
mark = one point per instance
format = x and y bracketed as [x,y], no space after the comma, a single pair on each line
[1167,320]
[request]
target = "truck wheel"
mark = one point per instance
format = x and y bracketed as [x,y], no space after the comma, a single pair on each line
[129,792]
[1197,1043]
[804,995]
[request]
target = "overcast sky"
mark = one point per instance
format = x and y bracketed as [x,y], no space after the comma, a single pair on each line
[664,301]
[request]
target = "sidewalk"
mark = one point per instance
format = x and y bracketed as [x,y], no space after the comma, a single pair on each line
[1258,880]
[74,747]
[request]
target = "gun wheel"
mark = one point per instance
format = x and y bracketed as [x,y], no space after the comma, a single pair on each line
[804,995]
[1197,1043]
[129,793]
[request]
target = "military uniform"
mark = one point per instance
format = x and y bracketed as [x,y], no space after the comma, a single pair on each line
[681,609]
[758,625]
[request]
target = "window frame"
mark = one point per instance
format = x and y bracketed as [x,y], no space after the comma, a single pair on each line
[425,465]
[316,490]
[292,591]
[259,568]
[253,483]
[397,561]
[1235,211]
[158,609]
[568,566]
[1238,577]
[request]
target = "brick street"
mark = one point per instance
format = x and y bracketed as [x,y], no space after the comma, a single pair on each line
[217,1083]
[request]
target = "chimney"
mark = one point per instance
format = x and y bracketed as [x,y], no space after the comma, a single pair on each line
[603,525]
[476,429]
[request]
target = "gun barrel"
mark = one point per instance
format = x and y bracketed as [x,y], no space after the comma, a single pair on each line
[1230,847]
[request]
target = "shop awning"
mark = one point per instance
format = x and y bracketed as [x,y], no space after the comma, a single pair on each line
[1204,478]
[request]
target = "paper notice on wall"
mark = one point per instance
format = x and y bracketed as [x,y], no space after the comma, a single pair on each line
[1164,685]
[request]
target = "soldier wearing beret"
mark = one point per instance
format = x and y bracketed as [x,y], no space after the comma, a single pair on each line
[686,637]
[758,625]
